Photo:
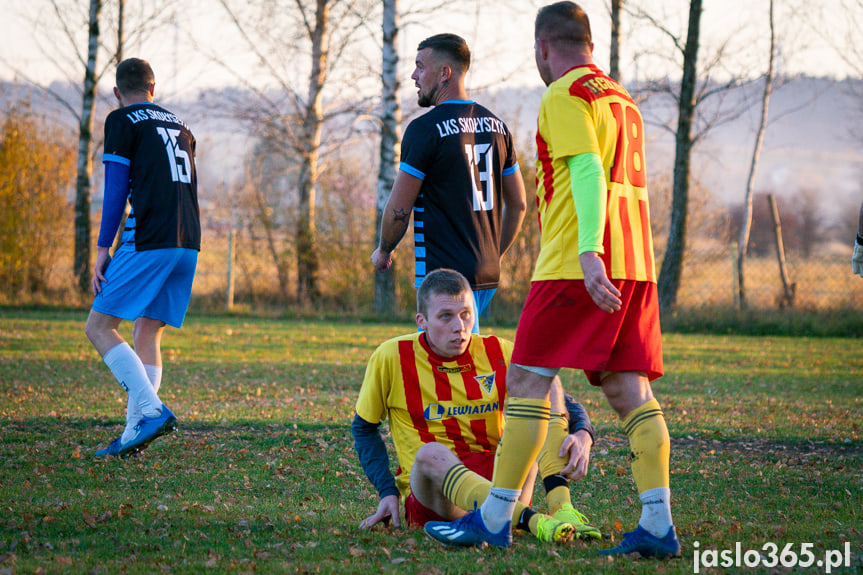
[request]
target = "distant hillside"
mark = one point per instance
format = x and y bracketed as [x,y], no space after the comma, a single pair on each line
[813,140]
[812,143]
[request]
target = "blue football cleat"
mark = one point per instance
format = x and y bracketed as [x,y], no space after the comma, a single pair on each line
[113,450]
[642,542]
[468,531]
[147,430]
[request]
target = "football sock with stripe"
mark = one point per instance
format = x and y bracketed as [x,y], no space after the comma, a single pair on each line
[650,448]
[467,489]
[128,369]
[551,464]
[522,438]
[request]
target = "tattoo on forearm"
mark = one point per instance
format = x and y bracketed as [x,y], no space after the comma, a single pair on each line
[396,229]
[400,215]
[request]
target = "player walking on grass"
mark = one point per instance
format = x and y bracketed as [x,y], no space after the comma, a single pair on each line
[149,159]
[592,303]
[442,390]
[458,175]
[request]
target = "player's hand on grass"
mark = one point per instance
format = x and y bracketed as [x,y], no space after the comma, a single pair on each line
[382,260]
[388,509]
[600,288]
[576,447]
[857,259]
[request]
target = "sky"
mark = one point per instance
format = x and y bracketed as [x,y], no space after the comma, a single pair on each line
[500,33]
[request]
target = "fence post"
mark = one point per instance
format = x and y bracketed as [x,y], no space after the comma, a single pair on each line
[735,276]
[788,288]
[229,303]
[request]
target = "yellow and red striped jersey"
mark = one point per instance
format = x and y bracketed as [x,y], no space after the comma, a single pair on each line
[585,111]
[455,401]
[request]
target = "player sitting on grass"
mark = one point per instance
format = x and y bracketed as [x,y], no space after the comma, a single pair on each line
[442,389]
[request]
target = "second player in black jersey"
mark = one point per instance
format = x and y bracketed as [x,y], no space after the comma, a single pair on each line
[462,153]
[458,176]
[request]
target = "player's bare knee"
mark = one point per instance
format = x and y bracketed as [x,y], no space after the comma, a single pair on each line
[434,459]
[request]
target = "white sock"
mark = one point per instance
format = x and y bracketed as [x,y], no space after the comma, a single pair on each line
[498,507]
[656,511]
[127,367]
[133,411]
[154,374]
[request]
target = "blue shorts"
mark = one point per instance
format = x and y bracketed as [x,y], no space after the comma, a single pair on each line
[155,284]
[481,299]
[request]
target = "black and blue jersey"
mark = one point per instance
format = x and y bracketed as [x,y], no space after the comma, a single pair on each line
[159,150]
[460,151]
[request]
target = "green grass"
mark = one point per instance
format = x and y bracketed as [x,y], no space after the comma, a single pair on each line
[261,477]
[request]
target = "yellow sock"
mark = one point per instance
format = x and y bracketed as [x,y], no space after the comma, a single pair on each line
[650,446]
[522,438]
[551,464]
[467,489]
[464,487]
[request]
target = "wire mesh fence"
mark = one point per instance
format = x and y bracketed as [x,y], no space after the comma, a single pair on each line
[251,278]
[709,277]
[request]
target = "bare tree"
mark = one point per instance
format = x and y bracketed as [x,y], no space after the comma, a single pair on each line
[696,86]
[614,67]
[391,118]
[746,224]
[57,33]
[81,261]
[292,120]
[672,263]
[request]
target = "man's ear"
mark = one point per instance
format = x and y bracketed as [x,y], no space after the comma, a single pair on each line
[445,73]
[543,49]
[421,321]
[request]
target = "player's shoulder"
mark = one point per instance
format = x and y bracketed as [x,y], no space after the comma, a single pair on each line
[392,345]
[488,340]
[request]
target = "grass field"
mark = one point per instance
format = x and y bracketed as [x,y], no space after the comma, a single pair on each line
[262,477]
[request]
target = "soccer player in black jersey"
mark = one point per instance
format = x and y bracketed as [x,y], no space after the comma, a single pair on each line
[458,176]
[150,159]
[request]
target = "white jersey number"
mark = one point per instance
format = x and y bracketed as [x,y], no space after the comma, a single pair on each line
[181,167]
[480,158]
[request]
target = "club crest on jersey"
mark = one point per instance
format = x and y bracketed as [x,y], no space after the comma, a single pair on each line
[486,382]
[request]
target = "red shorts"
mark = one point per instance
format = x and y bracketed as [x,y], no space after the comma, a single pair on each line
[417,514]
[560,326]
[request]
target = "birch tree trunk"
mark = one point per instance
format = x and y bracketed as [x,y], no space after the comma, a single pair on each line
[672,263]
[746,224]
[307,254]
[81,259]
[391,119]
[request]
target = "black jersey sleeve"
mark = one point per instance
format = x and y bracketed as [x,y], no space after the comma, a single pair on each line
[417,149]
[119,137]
